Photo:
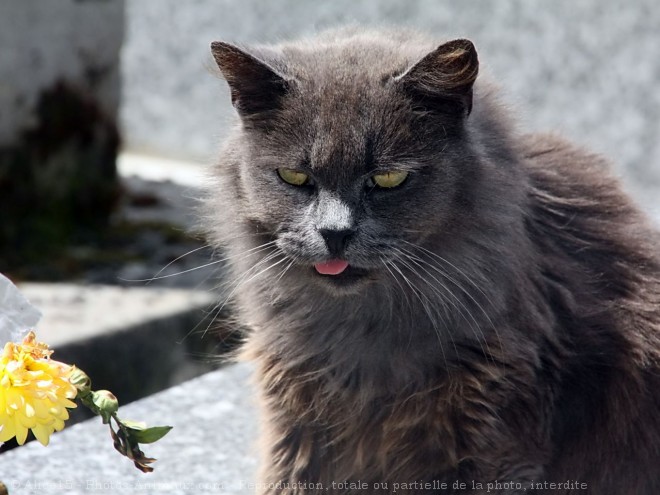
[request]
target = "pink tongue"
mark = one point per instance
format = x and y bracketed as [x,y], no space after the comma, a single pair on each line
[332,267]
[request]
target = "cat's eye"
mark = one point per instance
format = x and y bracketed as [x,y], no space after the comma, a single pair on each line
[293,177]
[389,179]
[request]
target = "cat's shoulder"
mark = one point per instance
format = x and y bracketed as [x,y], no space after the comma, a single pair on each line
[577,193]
[571,173]
[552,154]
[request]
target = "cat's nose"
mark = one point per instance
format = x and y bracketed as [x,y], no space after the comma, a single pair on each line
[336,240]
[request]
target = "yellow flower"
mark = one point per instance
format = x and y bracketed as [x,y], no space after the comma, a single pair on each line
[34,391]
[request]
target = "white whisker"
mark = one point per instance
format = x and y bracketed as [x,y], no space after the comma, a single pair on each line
[205,246]
[248,252]
[217,308]
[458,285]
[418,293]
[243,281]
[474,325]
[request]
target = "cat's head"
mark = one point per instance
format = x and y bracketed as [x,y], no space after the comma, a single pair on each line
[350,153]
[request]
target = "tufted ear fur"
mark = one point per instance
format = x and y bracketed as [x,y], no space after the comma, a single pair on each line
[256,87]
[444,77]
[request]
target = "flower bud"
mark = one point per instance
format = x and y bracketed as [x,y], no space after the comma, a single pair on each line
[79,379]
[106,403]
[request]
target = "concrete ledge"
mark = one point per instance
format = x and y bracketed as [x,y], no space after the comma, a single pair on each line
[184,173]
[210,450]
[73,312]
[132,341]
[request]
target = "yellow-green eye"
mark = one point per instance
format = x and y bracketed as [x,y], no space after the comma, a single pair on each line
[293,177]
[390,179]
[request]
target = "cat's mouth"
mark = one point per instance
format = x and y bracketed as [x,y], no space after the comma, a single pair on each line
[339,271]
[331,267]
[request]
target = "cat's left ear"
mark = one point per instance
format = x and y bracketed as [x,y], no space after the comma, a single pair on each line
[255,86]
[447,74]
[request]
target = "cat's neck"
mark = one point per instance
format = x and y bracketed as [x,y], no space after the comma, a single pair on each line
[378,338]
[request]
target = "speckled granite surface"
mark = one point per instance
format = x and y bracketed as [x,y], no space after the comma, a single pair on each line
[210,450]
[589,70]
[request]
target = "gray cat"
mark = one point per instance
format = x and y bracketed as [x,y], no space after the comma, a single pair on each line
[436,303]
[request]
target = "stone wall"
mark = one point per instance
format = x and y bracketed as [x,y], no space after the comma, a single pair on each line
[587,69]
[59,97]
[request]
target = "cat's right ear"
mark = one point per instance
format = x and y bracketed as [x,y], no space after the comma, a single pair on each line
[444,77]
[256,88]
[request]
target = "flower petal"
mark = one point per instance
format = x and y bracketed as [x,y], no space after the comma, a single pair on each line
[21,432]
[8,431]
[42,433]
[34,392]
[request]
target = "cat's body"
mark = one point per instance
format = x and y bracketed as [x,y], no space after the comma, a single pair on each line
[499,319]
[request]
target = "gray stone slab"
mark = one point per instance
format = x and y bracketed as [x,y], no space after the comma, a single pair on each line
[210,450]
[74,312]
[133,341]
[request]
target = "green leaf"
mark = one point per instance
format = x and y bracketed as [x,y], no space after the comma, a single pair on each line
[149,435]
[133,425]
